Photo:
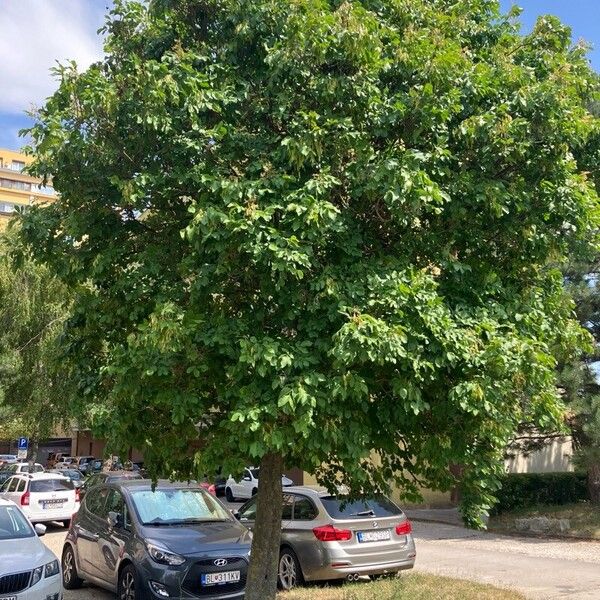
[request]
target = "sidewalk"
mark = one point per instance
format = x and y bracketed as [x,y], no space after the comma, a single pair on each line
[448,516]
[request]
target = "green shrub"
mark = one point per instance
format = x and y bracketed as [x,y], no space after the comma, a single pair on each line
[521,490]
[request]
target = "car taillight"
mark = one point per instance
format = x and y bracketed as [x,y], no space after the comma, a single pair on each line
[404,528]
[212,490]
[25,499]
[77,495]
[329,533]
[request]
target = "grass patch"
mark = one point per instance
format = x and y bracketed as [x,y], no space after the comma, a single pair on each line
[416,586]
[584,519]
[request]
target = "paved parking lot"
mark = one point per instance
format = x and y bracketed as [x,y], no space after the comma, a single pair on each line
[543,569]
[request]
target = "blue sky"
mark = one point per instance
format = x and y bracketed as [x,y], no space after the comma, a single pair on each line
[36,33]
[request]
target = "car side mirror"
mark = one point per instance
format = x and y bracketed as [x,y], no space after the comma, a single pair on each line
[40,529]
[115,519]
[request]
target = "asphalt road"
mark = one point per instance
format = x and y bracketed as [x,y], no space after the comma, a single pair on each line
[541,569]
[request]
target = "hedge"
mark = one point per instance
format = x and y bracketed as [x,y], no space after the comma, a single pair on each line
[521,490]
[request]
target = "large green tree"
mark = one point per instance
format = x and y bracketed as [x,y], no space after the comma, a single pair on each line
[317,233]
[34,380]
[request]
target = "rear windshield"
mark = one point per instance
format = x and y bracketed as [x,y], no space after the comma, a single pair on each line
[25,468]
[51,485]
[339,507]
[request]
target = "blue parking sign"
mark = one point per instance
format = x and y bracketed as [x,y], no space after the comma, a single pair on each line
[23,443]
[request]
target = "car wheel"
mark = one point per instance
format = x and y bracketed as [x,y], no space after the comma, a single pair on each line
[289,574]
[128,584]
[254,491]
[71,580]
[229,495]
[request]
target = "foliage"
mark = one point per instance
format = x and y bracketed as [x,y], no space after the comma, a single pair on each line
[34,383]
[522,490]
[319,229]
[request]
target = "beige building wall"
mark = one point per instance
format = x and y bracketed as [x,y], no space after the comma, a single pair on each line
[17,189]
[554,458]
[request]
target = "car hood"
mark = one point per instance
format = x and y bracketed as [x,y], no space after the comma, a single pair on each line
[23,555]
[204,537]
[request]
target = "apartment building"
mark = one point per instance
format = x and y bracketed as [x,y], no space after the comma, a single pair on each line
[17,189]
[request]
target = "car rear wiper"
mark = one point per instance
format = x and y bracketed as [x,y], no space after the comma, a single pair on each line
[364,513]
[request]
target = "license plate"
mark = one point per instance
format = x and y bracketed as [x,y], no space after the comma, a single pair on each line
[8,598]
[374,536]
[220,578]
[51,504]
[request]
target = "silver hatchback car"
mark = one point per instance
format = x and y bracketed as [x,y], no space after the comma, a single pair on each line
[325,537]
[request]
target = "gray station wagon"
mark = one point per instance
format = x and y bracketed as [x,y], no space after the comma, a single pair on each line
[326,537]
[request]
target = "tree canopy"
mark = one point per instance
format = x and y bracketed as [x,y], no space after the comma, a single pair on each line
[319,230]
[34,381]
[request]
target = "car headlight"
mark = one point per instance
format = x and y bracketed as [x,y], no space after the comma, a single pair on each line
[36,576]
[163,556]
[52,568]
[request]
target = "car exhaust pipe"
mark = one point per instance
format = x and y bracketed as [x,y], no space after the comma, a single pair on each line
[352,576]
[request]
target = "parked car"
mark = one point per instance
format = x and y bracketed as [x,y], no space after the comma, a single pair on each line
[248,485]
[176,540]
[43,497]
[7,471]
[109,477]
[55,457]
[74,475]
[28,569]
[66,462]
[83,463]
[326,537]
[7,459]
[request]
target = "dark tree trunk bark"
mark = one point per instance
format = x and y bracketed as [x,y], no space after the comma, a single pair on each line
[264,559]
[594,483]
[32,453]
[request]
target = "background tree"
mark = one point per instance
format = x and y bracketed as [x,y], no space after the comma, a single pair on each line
[318,233]
[34,382]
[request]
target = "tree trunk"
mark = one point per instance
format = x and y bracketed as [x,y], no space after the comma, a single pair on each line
[32,453]
[264,559]
[594,483]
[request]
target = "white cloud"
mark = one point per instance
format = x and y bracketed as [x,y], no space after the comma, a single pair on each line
[34,34]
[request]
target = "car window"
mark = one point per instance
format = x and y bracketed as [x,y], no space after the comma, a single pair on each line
[5,485]
[172,506]
[288,502]
[50,485]
[248,511]
[12,486]
[95,500]
[304,509]
[340,508]
[116,503]
[22,485]
[254,472]
[13,524]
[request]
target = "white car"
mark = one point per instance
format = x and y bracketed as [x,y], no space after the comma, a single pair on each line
[28,569]
[248,485]
[43,497]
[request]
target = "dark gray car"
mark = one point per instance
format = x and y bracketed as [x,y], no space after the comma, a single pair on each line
[177,541]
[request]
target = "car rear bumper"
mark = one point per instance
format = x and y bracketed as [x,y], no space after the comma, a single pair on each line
[47,518]
[327,573]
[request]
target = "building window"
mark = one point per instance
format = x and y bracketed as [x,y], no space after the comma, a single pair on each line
[7,208]
[15,185]
[45,189]
[17,165]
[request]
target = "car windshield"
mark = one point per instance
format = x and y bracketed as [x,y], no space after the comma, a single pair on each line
[13,525]
[339,507]
[51,485]
[254,473]
[177,506]
[72,474]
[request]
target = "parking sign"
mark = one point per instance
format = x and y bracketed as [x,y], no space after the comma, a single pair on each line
[22,447]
